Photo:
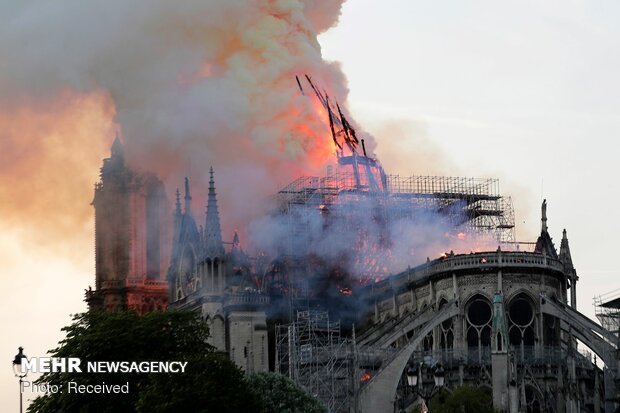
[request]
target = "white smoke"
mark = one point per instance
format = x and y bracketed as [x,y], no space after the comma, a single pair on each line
[369,237]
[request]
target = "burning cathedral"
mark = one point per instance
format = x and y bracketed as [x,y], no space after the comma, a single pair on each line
[341,302]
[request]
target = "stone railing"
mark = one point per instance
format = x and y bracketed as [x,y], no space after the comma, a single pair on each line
[530,355]
[113,284]
[481,261]
[133,283]
[146,283]
[372,360]
[246,299]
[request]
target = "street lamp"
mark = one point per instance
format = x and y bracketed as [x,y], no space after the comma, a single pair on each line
[17,370]
[413,377]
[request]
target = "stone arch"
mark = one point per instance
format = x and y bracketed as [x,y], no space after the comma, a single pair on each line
[591,335]
[472,294]
[187,271]
[428,342]
[478,317]
[522,314]
[441,297]
[523,291]
[550,330]
[211,273]
[445,332]
[534,400]
[585,330]
[486,388]
[378,394]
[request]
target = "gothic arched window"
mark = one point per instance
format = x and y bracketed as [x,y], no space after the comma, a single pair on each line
[478,315]
[521,320]
[445,330]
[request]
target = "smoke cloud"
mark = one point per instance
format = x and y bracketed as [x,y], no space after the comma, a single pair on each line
[193,84]
[189,85]
[49,147]
[365,237]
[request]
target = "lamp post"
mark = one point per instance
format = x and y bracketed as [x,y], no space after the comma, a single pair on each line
[414,376]
[17,370]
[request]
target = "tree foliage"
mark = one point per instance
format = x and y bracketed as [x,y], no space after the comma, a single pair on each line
[278,394]
[211,383]
[464,399]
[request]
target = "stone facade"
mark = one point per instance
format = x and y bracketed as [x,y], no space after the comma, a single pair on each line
[204,277]
[132,247]
[502,321]
[505,321]
[141,266]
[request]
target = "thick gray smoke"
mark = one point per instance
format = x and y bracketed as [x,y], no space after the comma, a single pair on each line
[191,84]
[194,83]
[369,237]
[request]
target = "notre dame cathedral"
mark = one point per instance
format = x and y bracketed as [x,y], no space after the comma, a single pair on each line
[505,321]
[142,266]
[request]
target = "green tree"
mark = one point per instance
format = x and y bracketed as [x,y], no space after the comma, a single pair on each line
[464,399]
[210,383]
[278,394]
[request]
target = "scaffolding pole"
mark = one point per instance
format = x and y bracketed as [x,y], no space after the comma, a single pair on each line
[470,203]
[312,352]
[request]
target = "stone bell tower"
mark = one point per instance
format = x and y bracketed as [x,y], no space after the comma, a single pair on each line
[131,240]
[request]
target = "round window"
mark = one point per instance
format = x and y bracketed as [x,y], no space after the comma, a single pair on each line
[521,312]
[479,313]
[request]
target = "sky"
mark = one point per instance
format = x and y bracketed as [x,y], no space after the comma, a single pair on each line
[523,91]
[526,92]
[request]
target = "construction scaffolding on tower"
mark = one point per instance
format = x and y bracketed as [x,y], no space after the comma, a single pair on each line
[311,351]
[607,310]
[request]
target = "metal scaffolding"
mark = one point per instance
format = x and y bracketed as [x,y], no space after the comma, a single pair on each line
[470,203]
[312,353]
[607,310]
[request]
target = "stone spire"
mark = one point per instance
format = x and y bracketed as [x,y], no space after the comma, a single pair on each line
[236,243]
[213,238]
[113,170]
[567,261]
[178,217]
[177,209]
[188,198]
[117,147]
[565,256]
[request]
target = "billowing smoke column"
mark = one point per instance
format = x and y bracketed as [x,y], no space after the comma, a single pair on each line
[191,84]
[351,229]
[363,237]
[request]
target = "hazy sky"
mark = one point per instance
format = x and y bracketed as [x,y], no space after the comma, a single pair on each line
[525,91]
